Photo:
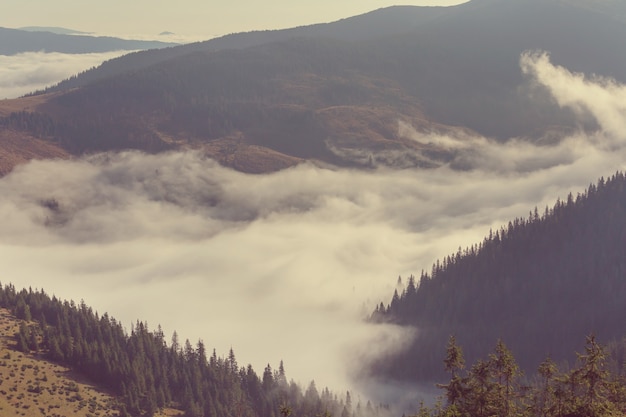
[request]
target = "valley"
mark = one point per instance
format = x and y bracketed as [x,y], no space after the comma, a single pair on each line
[343,196]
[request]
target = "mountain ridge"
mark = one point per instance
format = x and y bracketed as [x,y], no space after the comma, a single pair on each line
[456,71]
[366,25]
[53,29]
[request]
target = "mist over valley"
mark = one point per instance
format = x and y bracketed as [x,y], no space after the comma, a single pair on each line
[264,191]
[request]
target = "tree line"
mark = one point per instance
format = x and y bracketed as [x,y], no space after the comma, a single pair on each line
[147,374]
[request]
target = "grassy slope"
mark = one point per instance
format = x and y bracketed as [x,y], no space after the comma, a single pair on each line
[18,147]
[32,386]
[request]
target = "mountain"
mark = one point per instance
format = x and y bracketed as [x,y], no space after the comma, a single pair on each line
[53,29]
[381,22]
[541,285]
[284,102]
[452,58]
[15,41]
[337,93]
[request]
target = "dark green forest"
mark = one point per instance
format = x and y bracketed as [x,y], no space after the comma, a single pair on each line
[539,284]
[148,374]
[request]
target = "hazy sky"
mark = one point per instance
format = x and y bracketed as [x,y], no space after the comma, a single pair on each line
[285,266]
[186,17]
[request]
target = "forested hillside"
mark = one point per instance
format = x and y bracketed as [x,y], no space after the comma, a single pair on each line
[147,374]
[300,98]
[461,63]
[382,22]
[336,93]
[539,284]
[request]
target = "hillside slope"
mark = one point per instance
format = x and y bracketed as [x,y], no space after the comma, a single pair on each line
[284,102]
[147,376]
[31,385]
[382,22]
[460,63]
[333,94]
[539,284]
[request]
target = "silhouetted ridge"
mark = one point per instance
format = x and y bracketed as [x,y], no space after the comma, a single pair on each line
[382,22]
[16,41]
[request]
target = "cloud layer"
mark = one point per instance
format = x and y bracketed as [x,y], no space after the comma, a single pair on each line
[283,266]
[30,71]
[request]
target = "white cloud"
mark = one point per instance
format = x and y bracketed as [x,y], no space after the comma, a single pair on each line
[280,266]
[604,98]
[30,71]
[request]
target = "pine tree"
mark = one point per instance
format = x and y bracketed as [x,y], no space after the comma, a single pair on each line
[22,338]
[268,380]
[591,375]
[505,371]
[22,310]
[33,340]
[543,402]
[453,363]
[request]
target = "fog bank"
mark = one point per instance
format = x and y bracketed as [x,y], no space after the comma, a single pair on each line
[27,72]
[286,265]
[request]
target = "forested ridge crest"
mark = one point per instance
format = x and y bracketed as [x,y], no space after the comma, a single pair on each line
[539,283]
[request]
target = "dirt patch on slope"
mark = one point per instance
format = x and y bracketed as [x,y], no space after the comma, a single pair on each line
[18,147]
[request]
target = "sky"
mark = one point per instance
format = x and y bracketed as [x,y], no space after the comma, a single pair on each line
[197,19]
[287,265]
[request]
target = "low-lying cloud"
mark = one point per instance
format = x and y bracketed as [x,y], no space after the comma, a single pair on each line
[286,265]
[603,97]
[27,72]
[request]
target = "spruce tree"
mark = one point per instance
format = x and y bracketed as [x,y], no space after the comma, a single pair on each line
[453,364]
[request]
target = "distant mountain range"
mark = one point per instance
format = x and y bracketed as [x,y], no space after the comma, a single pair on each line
[53,29]
[52,39]
[335,92]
